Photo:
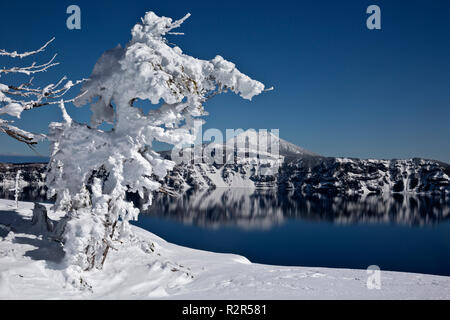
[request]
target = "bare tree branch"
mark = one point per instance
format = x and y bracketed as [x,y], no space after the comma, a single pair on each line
[14,54]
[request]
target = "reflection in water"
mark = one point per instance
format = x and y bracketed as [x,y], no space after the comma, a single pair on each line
[263,209]
[247,208]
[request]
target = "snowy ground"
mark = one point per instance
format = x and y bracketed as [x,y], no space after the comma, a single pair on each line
[150,267]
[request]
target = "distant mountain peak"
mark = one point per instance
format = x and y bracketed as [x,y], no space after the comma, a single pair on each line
[286,148]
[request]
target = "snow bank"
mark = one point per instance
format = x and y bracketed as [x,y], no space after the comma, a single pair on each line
[150,268]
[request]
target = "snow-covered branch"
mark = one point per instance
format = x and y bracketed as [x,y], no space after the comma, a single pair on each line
[14,54]
[14,99]
[31,69]
[51,94]
[19,134]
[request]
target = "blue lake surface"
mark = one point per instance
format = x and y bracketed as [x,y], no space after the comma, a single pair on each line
[398,233]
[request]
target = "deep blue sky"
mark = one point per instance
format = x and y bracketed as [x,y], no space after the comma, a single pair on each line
[340,89]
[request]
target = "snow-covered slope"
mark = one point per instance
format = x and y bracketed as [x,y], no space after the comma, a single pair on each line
[344,177]
[147,267]
[321,176]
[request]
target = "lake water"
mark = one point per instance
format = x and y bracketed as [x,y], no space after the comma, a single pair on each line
[401,233]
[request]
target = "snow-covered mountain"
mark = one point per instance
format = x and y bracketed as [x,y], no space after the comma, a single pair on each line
[296,169]
[309,173]
[286,149]
[253,162]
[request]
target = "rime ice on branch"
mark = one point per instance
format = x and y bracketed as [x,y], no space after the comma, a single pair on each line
[17,188]
[91,170]
[14,99]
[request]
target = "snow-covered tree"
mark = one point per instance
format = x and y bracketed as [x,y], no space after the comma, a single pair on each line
[17,188]
[16,98]
[91,170]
